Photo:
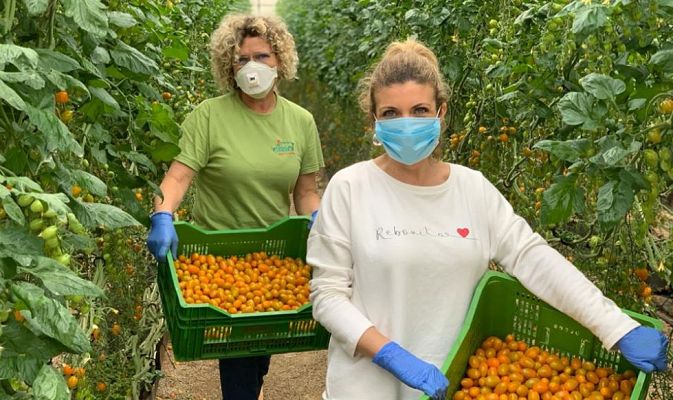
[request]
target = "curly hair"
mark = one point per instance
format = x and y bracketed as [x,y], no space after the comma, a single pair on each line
[402,62]
[226,41]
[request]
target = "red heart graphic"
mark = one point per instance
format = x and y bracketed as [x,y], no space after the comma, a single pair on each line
[463,232]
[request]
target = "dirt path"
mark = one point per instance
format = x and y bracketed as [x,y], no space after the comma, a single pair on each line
[297,376]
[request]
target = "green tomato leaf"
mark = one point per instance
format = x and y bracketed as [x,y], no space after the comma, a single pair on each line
[55,201]
[56,78]
[13,210]
[141,159]
[91,68]
[569,150]
[55,132]
[176,50]
[64,81]
[36,7]
[569,9]
[88,15]
[602,86]
[525,16]
[162,123]
[560,200]
[612,152]
[90,183]
[103,95]
[17,55]
[23,184]
[9,268]
[92,215]
[19,367]
[121,19]
[636,104]
[615,199]
[132,59]
[17,160]
[72,242]
[60,280]
[579,109]
[164,152]
[22,367]
[635,177]
[16,243]
[663,60]
[30,78]
[50,385]
[50,59]
[51,317]
[11,97]
[22,341]
[100,55]
[590,18]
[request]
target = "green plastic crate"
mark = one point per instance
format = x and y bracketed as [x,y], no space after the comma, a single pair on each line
[501,305]
[201,331]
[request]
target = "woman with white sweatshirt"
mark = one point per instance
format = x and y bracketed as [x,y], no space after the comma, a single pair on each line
[402,240]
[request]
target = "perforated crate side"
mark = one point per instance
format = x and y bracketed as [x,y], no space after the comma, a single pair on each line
[501,305]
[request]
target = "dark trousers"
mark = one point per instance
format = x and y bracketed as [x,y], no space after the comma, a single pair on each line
[242,378]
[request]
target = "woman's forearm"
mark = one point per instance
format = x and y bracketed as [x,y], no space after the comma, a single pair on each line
[371,342]
[306,203]
[305,195]
[173,187]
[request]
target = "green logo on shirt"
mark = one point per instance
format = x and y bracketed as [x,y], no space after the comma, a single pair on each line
[283,148]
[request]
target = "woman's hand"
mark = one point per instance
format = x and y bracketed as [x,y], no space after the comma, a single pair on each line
[162,236]
[411,370]
[645,348]
[314,214]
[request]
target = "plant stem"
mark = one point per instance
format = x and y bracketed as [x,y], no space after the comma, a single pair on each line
[10,9]
[7,121]
[51,12]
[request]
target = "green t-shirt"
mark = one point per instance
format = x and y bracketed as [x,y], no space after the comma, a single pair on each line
[247,163]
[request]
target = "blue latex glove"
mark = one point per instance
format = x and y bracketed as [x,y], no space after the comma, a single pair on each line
[645,348]
[162,236]
[314,214]
[411,370]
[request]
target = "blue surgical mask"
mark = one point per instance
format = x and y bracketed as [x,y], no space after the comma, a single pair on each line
[408,139]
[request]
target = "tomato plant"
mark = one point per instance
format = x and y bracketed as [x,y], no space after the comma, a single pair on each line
[85,133]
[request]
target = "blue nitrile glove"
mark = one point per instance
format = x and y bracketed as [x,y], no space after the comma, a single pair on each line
[411,370]
[162,235]
[314,214]
[645,348]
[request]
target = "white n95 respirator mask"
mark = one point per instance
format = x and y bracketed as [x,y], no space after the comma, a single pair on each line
[256,79]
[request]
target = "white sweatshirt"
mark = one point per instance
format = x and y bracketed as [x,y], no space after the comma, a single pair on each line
[406,259]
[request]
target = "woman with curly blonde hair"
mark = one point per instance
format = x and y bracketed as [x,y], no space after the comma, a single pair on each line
[250,149]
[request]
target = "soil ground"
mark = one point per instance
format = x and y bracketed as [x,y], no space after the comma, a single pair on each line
[296,376]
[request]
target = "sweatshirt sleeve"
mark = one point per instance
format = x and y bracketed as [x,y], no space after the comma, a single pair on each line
[329,253]
[547,274]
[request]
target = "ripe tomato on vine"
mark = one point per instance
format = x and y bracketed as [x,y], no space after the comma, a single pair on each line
[61,97]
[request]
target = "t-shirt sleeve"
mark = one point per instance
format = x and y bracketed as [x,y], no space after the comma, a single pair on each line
[194,140]
[547,274]
[329,252]
[312,157]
